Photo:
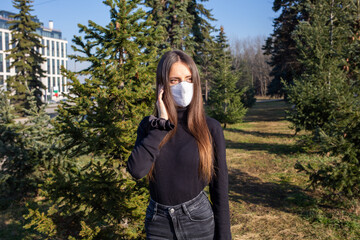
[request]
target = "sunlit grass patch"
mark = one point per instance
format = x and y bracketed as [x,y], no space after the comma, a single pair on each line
[269,198]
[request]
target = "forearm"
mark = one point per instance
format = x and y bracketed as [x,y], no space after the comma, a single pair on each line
[151,132]
[145,153]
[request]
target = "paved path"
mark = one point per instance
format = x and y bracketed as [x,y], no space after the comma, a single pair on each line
[50,110]
[269,100]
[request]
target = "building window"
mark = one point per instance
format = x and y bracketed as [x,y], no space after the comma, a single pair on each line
[48,66]
[53,83]
[7,43]
[13,41]
[1,48]
[7,64]
[49,84]
[58,66]
[1,80]
[63,84]
[42,49]
[52,48]
[53,66]
[1,63]
[57,49]
[47,48]
[62,49]
[59,85]
[65,49]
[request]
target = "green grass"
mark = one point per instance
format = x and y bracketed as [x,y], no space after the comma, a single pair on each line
[269,199]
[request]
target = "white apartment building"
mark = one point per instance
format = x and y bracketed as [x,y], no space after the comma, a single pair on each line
[55,53]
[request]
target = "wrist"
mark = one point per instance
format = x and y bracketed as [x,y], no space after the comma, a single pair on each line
[164,117]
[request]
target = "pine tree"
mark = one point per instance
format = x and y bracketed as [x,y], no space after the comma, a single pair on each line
[26,148]
[204,43]
[326,94]
[282,47]
[320,43]
[98,123]
[201,30]
[186,26]
[206,61]
[352,52]
[173,17]
[224,98]
[25,56]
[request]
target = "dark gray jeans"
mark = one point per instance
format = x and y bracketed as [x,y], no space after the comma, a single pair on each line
[193,219]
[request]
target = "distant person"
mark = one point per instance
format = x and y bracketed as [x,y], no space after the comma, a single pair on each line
[182,151]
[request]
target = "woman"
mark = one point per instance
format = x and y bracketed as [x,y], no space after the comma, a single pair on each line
[182,151]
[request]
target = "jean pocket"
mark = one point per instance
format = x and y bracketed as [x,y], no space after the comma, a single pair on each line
[201,211]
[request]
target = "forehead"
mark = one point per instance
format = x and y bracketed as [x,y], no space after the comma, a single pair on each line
[179,68]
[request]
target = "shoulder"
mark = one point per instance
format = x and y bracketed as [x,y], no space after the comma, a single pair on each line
[145,123]
[214,126]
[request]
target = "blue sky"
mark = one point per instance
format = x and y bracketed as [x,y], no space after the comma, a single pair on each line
[240,18]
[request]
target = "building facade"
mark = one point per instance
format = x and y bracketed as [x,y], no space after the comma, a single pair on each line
[55,53]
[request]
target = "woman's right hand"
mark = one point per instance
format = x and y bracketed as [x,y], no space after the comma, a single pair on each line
[161,106]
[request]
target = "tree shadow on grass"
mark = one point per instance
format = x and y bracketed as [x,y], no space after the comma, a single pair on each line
[11,220]
[267,111]
[280,149]
[260,134]
[281,196]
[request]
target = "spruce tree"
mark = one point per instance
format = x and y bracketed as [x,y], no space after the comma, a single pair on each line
[224,98]
[282,47]
[326,94]
[25,149]
[173,17]
[98,124]
[201,30]
[25,57]
[186,26]
[321,43]
[204,43]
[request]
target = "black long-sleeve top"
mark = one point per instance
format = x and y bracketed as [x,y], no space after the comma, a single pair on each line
[176,177]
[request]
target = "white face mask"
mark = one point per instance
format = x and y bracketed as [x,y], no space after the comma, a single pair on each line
[182,93]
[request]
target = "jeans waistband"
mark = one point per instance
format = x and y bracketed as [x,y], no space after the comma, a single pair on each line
[186,204]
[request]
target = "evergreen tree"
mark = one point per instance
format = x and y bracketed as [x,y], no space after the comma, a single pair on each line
[186,26]
[326,97]
[25,56]
[26,149]
[185,23]
[224,98]
[201,30]
[282,47]
[173,17]
[206,62]
[352,52]
[204,43]
[321,43]
[98,123]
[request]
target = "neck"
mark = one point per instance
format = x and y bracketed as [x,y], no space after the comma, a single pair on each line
[182,113]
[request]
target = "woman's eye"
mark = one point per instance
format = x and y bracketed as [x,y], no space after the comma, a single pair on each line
[173,81]
[189,80]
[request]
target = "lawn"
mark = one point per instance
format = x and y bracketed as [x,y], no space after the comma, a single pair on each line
[269,199]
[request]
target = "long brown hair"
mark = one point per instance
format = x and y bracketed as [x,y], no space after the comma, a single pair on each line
[196,119]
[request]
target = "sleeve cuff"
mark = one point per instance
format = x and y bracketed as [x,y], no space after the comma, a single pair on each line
[160,123]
